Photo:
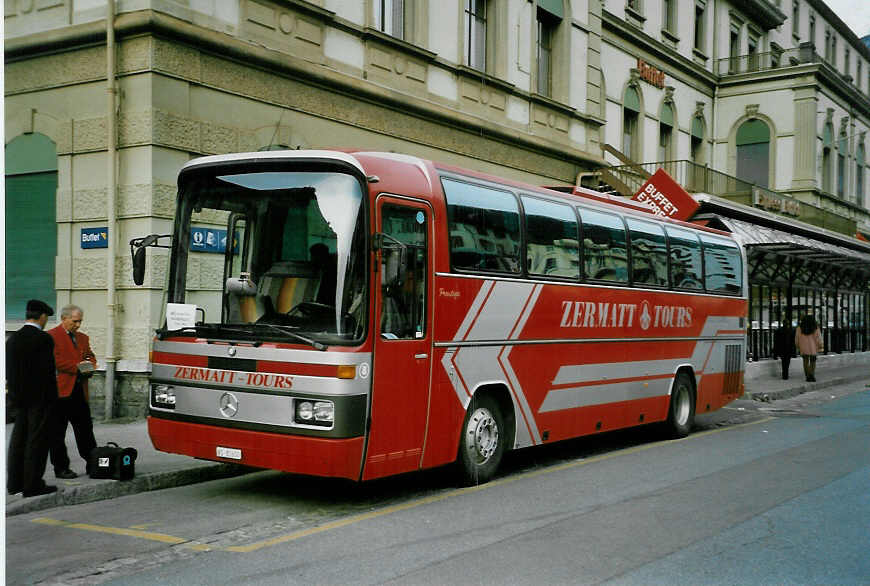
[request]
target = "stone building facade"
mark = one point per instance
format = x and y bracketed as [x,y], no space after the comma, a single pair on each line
[527,89]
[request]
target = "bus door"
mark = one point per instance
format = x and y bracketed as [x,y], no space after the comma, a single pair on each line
[403,345]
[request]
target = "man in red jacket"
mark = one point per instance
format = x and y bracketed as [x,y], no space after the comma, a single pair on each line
[75,362]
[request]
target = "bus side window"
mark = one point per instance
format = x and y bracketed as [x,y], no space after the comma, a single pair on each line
[723,268]
[649,253]
[403,273]
[605,256]
[484,226]
[686,267]
[552,245]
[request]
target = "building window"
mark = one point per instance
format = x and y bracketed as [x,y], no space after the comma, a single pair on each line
[475,34]
[834,51]
[700,14]
[859,175]
[847,66]
[390,17]
[828,53]
[827,147]
[753,152]
[796,19]
[858,74]
[812,37]
[734,49]
[669,15]
[842,152]
[666,133]
[630,118]
[546,29]
[636,5]
[752,54]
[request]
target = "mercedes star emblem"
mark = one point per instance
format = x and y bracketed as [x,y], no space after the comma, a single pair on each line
[229,405]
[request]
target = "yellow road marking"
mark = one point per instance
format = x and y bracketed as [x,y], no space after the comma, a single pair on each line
[161,537]
[461,491]
[136,531]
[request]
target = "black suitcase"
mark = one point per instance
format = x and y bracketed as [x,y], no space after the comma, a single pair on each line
[111,461]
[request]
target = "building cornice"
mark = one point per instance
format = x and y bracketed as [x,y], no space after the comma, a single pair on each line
[226,46]
[761,12]
[831,17]
[665,54]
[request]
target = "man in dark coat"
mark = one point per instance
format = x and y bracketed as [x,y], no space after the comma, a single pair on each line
[32,387]
[783,346]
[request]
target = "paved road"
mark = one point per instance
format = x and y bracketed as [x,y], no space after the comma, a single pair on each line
[775,496]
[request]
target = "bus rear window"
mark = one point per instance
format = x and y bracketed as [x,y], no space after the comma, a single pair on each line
[484,228]
[723,268]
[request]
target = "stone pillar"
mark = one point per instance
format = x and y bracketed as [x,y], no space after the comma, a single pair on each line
[805,104]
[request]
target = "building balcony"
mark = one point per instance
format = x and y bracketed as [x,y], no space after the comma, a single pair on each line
[695,178]
[755,62]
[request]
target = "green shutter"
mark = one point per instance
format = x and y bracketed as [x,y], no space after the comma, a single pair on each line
[554,7]
[667,116]
[698,128]
[753,132]
[31,240]
[30,153]
[631,101]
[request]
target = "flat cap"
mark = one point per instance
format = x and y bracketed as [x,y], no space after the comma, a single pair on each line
[40,306]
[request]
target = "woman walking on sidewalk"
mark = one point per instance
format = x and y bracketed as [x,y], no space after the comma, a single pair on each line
[808,339]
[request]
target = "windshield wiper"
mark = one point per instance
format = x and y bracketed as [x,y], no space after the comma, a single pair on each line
[286,330]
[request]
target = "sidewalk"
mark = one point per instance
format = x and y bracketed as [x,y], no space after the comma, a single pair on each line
[157,470]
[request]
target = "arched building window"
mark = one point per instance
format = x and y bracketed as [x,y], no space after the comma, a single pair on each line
[666,133]
[859,175]
[31,228]
[630,123]
[753,152]
[827,150]
[842,153]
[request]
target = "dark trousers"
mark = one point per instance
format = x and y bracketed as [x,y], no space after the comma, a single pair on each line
[73,410]
[786,360]
[810,367]
[28,448]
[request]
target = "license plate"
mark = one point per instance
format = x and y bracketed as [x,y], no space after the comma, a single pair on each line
[231,453]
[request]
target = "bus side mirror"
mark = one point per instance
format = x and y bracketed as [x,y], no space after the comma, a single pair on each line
[137,252]
[139,266]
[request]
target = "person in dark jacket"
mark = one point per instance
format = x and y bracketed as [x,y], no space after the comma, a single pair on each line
[783,346]
[32,386]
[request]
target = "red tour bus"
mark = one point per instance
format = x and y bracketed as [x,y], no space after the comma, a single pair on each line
[361,314]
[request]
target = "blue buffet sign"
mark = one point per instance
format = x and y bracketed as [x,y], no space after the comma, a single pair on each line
[209,240]
[95,237]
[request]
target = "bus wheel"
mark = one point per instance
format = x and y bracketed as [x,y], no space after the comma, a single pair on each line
[482,443]
[681,414]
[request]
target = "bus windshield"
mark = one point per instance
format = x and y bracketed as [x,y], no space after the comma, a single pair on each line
[272,255]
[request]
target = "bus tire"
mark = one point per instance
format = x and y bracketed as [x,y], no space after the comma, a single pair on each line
[482,443]
[681,412]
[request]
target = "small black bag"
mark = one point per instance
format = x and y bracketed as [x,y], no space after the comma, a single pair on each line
[111,461]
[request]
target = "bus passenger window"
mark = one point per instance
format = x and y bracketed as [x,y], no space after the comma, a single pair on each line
[686,268]
[649,253]
[552,247]
[723,268]
[605,255]
[484,228]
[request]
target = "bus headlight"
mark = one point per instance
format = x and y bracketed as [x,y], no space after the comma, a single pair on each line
[163,396]
[321,413]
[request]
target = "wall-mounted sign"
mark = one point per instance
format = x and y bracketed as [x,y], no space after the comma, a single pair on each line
[665,197]
[650,74]
[95,237]
[210,240]
[774,202]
